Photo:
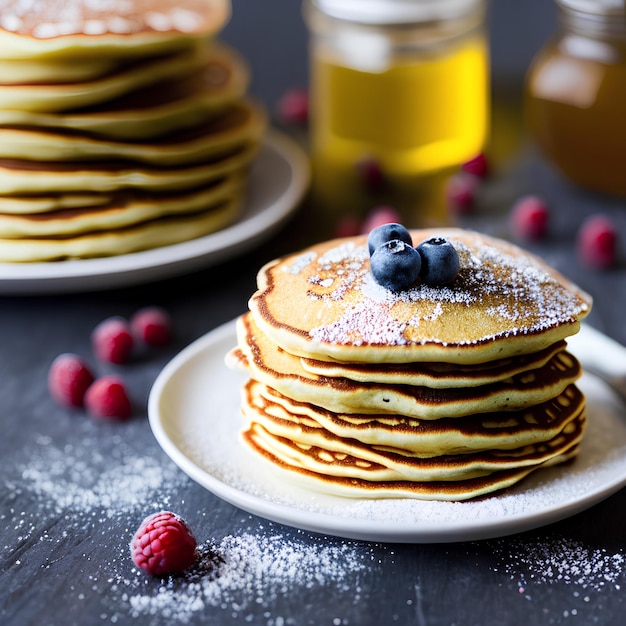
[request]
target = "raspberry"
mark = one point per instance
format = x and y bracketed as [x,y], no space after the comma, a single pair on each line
[379,216]
[529,218]
[478,166]
[293,107]
[152,325]
[461,192]
[68,380]
[112,340]
[347,226]
[371,174]
[107,397]
[597,242]
[163,544]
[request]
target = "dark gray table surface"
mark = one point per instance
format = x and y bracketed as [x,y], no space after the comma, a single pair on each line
[73,490]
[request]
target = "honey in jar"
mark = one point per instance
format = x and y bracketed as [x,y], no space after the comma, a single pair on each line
[400,83]
[576,95]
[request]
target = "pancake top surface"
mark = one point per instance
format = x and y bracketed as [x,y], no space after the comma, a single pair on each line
[58,18]
[324,303]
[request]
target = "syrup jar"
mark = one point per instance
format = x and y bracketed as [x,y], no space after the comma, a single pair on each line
[576,95]
[398,97]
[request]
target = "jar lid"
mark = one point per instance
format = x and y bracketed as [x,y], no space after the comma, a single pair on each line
[595,7]
[396,11]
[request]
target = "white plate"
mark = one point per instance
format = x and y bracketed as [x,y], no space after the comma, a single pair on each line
[194,414]
[278,180]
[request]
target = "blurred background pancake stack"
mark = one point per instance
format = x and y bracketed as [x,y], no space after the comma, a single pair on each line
[124,126]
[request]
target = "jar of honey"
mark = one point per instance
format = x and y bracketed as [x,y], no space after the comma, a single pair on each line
[398,98]
[576,95]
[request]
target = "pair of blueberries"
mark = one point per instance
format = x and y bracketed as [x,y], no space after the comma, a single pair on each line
[396,265]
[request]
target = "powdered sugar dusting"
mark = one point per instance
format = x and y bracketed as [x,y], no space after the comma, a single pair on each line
[45,20]
[510,293]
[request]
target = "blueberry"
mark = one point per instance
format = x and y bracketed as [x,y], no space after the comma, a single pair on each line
[395,265]
[387,232]
[440,261]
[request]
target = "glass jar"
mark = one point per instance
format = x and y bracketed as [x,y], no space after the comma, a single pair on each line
[398,98]
[576,95]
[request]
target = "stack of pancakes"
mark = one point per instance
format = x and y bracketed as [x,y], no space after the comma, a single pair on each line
[124,125]
[433,392]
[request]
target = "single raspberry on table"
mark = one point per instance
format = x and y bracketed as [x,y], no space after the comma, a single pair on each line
[69,377]
[461,191]
[163,544]
[107,397]
[379,216]
[530,217]
[152,325]
[478,166]
[112,340]
[597,242]
[293,106]
[347,226]
[371,174]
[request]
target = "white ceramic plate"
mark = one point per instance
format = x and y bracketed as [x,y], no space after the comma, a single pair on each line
[194,414]
[278,181]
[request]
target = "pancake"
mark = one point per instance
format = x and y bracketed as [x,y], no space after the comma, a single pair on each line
[241,124]
[283,371]
[152,234]
[503,430]
[436,375]
[286,456]
[324,304]
[23,178]
[131,76]
[25,205]
[322,452]
[123,210]
[24,71]
[116,28]
[155,110]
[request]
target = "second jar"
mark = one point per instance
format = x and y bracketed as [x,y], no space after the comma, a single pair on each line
[399,98]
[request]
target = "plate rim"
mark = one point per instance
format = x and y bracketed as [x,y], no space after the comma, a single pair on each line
[166,261]
[350,527]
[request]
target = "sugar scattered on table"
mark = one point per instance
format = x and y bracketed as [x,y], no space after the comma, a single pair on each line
[247,573]
[554,560]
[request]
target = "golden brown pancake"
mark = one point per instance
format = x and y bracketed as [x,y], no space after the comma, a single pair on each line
[323,303]
[241,124]
[353,485]
[21,178]
[112,28]
[436,375]
[422,438]
[125,209]
[283,371]
[182,101]
[155,233]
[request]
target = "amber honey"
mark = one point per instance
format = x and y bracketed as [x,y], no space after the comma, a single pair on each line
[416,105]
[576,102]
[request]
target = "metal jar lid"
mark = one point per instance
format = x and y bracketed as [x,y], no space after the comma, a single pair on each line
[396,11]
[595,7]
